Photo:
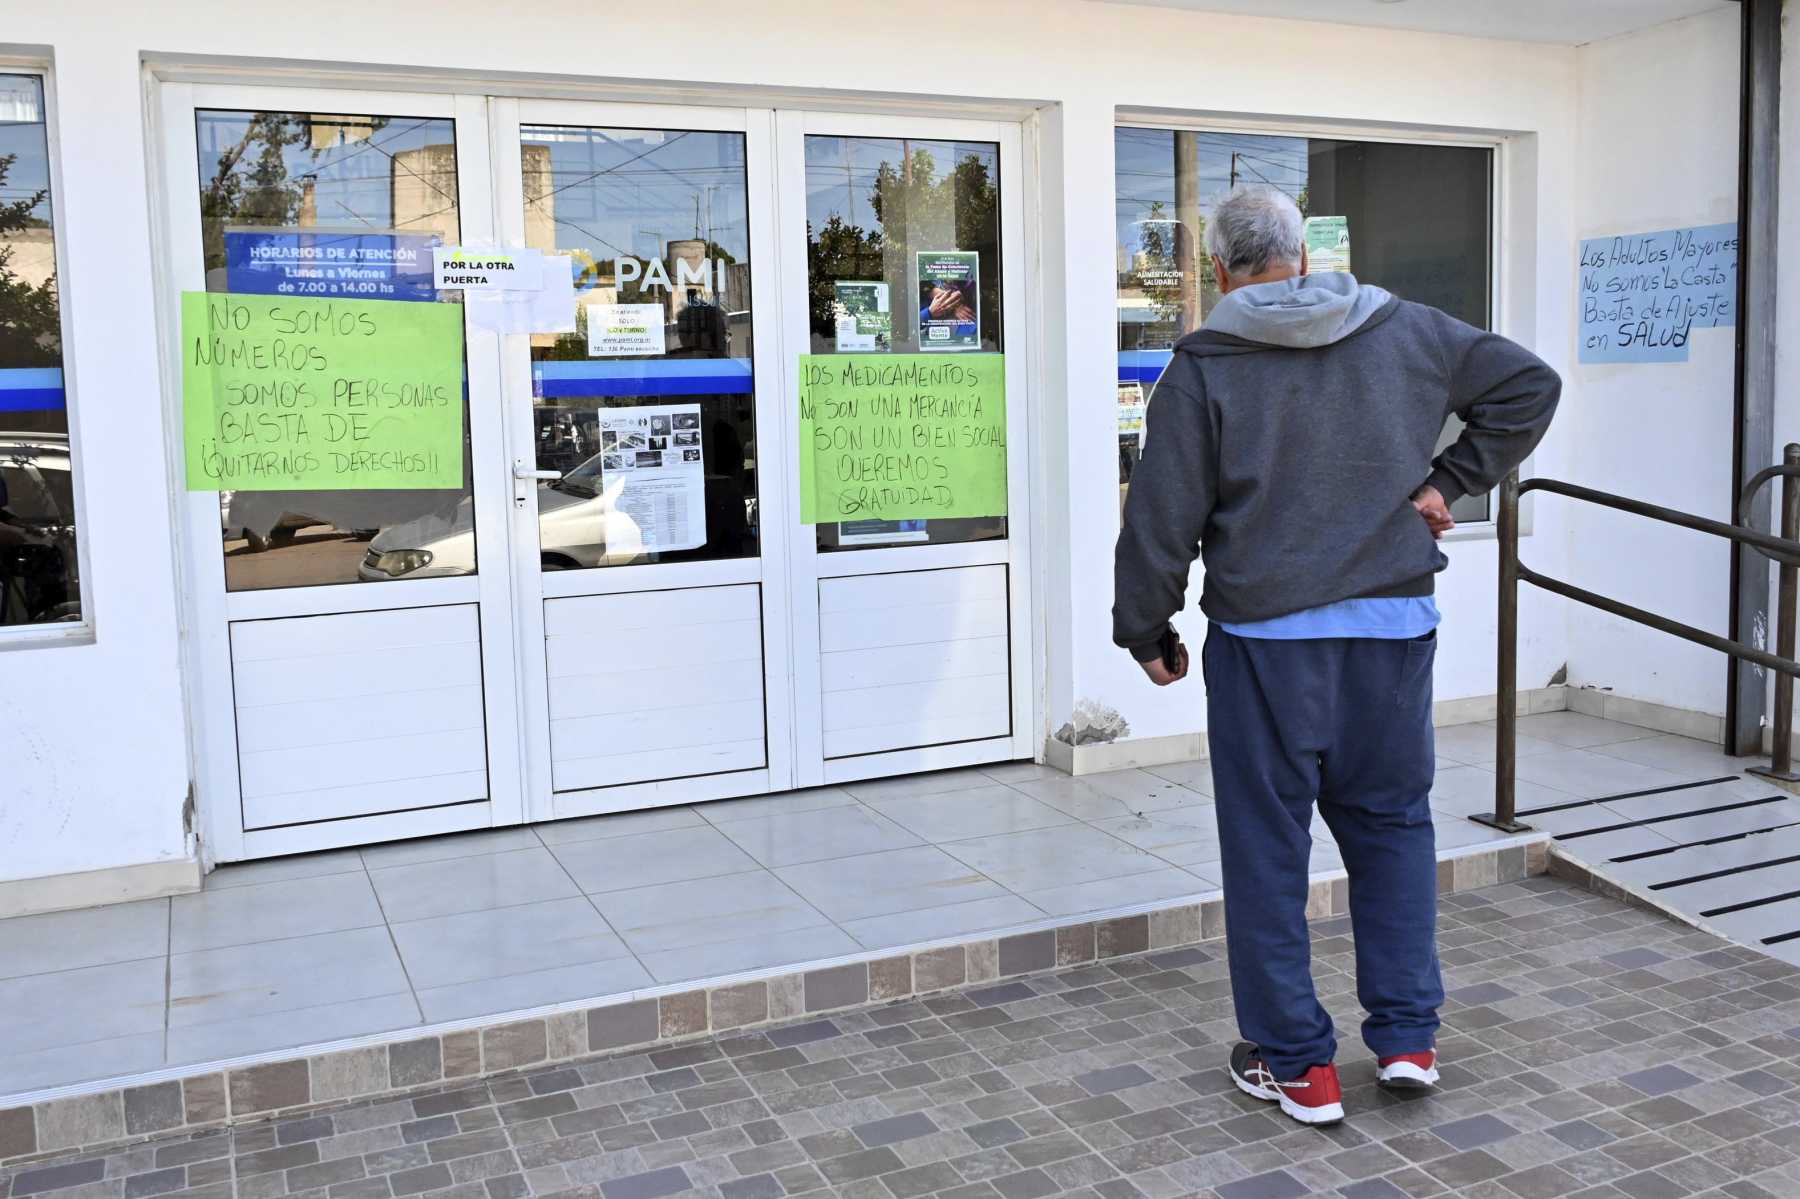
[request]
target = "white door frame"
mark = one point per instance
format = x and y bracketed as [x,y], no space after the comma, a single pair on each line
[534,585]
[210,609]
[806,565]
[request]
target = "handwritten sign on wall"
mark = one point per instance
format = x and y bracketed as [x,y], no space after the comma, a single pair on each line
[284,393]
[1644,294]
[902,436]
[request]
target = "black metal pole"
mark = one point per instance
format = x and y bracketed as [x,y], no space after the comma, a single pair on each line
[1506,689]
[1781,760]
[1753,427]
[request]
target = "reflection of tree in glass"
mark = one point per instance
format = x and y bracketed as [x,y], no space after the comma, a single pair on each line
[919,209]
[30,334]
[253,181]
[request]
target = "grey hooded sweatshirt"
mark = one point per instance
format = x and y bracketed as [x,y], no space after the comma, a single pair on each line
[1284,442]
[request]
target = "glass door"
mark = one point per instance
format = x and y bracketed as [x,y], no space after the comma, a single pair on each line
[909,571]
[653,648]
[346,546]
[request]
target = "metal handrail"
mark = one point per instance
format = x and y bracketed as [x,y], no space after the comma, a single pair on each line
[1784,550]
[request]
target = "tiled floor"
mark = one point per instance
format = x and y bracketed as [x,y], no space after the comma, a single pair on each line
[281,954]
[1591,1050]
[284,953]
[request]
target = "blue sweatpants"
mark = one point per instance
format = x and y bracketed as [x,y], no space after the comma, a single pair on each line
[1345,721]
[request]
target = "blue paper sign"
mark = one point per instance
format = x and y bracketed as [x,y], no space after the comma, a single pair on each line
[330,262]
[1644,294]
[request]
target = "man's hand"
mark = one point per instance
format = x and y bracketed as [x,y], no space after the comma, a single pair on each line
[1429,503]
[1159,672]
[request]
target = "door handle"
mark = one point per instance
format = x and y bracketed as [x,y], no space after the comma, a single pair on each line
[524,473]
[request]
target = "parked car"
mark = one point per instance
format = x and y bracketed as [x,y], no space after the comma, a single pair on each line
[572,522]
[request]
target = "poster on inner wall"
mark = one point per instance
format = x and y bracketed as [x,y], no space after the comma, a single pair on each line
[654,477]
[882,532]
[1327,244]
[1131,409]
[1644,294]
[864,320]
[291,393]
[901,437]
[625,330]
[949,300]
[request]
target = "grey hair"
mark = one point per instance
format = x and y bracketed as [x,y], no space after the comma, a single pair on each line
[1254,229]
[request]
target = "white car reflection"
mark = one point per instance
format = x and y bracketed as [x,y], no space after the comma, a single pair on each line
[577,520]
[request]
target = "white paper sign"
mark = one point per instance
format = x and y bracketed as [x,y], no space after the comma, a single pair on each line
[481,268]
[655,478]
[622,330]
[550,309]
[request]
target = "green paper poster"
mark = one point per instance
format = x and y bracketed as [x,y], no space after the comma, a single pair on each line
[902,436]
[309,394]
[1327,244]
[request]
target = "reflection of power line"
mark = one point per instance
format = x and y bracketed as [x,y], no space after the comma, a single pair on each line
[609,170]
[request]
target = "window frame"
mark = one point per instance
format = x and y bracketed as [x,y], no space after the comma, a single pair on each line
[85,630]
[1499,145]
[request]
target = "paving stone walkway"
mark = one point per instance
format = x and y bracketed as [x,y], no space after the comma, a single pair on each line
[1591,1050]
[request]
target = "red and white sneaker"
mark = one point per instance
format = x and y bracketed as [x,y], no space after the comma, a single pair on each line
[1408,1071]
[1313,1098]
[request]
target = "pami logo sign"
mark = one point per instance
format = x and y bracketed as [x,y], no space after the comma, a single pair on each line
[653,274]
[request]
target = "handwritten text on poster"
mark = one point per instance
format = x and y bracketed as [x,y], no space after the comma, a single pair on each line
[284,393]
[899,436]
[1643,294]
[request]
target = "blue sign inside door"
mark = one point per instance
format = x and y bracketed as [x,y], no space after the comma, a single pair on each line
[330,262]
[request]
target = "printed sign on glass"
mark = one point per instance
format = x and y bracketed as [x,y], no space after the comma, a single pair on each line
[653,473]
[949,300]
[624,330]
[353,263]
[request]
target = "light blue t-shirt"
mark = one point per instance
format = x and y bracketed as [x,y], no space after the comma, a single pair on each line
[1389,618]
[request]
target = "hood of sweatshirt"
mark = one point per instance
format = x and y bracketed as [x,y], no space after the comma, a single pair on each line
[1302,313]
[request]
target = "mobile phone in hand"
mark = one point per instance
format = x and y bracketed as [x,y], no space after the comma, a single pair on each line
[1171,650]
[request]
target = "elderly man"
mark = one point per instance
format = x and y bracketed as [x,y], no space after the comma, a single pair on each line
[1290,443]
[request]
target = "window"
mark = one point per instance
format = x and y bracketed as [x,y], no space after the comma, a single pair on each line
[40,579]
[655,387]
[1417,219]
[279,192]
[903,256]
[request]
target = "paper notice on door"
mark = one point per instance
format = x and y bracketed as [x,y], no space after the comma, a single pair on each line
[654,478]
[479,268]
[625,330]
[550,309]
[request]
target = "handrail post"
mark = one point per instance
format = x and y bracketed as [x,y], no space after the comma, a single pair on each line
[1781,761]
[1506,716]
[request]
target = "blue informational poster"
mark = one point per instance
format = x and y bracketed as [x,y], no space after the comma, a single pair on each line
[352,263]
[1644,294]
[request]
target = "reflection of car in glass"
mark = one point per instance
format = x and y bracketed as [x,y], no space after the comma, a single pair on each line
[258,540]
[38,566]
[572,517]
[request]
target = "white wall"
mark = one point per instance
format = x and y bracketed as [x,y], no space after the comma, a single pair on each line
[1657,149]
[104,780]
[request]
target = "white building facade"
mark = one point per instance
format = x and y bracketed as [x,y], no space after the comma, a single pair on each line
[550,630]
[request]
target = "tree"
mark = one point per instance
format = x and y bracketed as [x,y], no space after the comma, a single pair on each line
[30,331]
[918,209]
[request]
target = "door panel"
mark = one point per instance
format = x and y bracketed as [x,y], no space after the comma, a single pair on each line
[353,714]
[902,236]
[641,545]
[915,659]
[351,649]
[654,685]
